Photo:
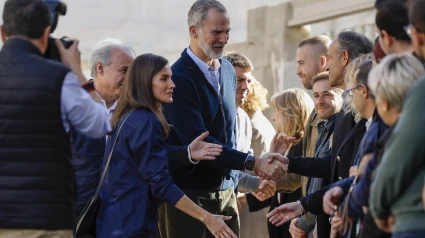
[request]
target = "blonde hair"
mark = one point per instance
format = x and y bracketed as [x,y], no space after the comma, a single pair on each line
[350,71]
[256,100]
[295,105]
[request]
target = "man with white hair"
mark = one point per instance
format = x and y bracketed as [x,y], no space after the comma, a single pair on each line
[108,64]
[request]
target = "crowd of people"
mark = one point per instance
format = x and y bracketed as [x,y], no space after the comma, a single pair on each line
[184,150]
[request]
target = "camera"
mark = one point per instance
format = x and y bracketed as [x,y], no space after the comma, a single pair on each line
[57,8]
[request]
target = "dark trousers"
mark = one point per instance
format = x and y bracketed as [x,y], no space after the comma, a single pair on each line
[174,223]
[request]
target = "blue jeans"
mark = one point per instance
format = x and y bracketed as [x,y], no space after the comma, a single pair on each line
[410,234]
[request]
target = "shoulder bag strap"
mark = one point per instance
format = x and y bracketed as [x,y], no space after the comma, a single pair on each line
[110,156]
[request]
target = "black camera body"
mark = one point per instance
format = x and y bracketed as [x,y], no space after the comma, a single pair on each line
[56,8]
[52,51]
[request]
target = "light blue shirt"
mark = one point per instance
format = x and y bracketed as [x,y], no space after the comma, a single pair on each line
[81,111]
[212,74]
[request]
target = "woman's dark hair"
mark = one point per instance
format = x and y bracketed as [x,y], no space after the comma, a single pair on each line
[392,17]
[137,89]
[28,18]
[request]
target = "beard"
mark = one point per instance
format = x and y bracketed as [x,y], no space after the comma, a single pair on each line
[208,50]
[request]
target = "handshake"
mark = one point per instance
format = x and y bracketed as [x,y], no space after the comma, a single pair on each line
[271,166]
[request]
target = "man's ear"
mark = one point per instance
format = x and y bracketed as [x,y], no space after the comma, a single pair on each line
[99,68]
[46,34]
[193,32]
[323,62]
[3,34]
[345,57]
[45,38]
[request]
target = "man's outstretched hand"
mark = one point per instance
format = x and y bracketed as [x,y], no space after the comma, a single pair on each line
[285,213]
[270,166]
[201,150]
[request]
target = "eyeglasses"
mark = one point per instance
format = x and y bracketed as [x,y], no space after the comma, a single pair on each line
[350,91]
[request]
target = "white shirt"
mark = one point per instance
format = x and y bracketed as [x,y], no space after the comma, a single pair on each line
[368,123]
[111,110]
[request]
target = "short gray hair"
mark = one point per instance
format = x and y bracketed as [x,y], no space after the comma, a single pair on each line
[392,78]
[354,43]
[199,11]
[102,53]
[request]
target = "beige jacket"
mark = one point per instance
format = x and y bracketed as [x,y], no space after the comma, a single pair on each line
[309,143]
[262,133]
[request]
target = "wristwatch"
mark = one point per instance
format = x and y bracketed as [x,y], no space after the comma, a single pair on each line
[249,162]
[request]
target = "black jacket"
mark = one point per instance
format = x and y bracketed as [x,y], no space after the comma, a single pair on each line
[37,187]
[313,202]
[346,140]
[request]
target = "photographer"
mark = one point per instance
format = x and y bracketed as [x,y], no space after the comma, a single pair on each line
[40,100]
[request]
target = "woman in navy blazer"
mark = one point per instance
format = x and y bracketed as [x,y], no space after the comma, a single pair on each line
[137,179]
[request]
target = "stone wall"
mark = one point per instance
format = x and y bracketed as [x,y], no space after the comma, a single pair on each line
[274,32]
[267,34]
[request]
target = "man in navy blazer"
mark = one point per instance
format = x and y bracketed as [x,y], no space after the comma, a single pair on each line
[204,100]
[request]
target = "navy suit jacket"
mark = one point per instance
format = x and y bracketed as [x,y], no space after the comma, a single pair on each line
[345,143]
[198,108]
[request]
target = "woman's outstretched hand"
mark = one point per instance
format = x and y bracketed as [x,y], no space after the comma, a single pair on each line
[281,143]
[201,150]
[217,227]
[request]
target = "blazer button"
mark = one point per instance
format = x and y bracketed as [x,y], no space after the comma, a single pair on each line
[338,158]
[340,178]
